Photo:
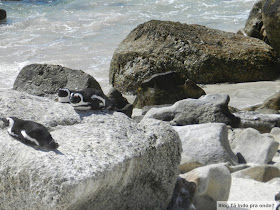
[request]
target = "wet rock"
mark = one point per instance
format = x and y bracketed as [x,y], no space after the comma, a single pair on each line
[261,122]
[209,108]
[204,144]
[3,14]
[261,173]
[198,53]
[213,184]
[45,79]
[166,88]
[271,20]
[106,162]
[39,109]
[253,146]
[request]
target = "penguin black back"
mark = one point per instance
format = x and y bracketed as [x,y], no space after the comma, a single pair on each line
[89,98]
[30,132]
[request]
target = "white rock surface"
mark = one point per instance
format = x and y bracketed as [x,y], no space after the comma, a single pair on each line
[107,162]
[213,184]
[39,109]
[204,144]
[253,146]
[252,190]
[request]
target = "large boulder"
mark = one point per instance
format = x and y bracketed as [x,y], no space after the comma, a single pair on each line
[204,144]
[213,184]
[253,146]
[271,20]
[106,162]
[39,109]
[45,79]
[207,109]
[198,53]
[3,14]
[166,88]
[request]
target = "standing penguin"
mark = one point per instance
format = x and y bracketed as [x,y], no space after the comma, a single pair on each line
[64,95]
[89,98]
[30,132]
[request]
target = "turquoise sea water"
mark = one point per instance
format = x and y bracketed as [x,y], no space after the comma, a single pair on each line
[83,34]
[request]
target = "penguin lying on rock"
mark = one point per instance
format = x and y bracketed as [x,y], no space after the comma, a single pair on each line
[30,133]
[90,98]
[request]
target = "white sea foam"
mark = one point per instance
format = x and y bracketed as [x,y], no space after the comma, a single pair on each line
[84,34]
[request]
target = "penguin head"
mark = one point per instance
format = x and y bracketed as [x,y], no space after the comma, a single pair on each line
[63,92]
[76,98]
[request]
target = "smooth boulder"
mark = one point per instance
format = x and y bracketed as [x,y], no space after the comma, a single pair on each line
[252,146]
[106,162]
[198,53]
[271,20]
[45,79]
[212,108]
[204,144]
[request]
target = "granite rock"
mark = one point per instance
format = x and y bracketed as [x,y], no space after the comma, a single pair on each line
[106,162]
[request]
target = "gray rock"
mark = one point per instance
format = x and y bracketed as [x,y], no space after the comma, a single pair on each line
[271,20]
[166,88]
[204,144]
[209,108]
[45,79]
[39,109]
[198,53]
[107,162]
[261,173]
[261,122]
[253,146]
[213,184]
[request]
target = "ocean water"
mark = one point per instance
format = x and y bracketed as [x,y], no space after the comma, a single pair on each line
[83,34]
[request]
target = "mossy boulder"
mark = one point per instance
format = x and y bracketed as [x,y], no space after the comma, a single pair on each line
[198,53]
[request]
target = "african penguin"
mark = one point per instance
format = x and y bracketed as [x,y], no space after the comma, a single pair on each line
[30,132]
[89,98]
[64,95]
